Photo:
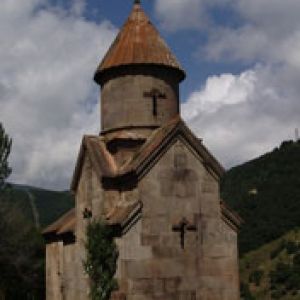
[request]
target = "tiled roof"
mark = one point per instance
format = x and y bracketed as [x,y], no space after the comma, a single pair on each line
[64,224]
[106,166]
[231,216]
[138,42]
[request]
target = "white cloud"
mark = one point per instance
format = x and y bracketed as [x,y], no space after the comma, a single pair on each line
[47,95]
[180,14]
[245,44]
[276,17]
[270,33]
[226,89]
[186,14]
[242,116]
[78,7]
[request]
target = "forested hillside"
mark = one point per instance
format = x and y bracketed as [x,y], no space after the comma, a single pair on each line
[266,194]
[273,270]
[41,206]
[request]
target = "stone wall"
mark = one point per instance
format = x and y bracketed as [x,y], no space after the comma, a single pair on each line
[70,283]
[123,102]
[54,271]
[156,261]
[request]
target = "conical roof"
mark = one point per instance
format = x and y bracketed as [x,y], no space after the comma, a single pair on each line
[138,42]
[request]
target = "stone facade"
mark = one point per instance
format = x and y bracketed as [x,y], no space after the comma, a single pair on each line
[148,174]
[121,93]
[154,262]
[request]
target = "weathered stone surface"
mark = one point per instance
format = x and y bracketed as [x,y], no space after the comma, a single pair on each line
[210,255]
[123,102]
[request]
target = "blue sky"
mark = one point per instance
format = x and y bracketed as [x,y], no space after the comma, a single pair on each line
[241,94]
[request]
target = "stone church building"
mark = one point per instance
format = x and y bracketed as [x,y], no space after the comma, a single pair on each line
[150,175]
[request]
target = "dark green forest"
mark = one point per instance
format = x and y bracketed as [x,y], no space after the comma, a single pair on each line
[24,212]
[42,206]
[266,194]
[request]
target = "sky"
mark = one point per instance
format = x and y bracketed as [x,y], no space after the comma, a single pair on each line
[241,94]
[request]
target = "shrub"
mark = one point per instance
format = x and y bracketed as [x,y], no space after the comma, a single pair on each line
[296,260]
[256,276]
[291,247]
[281,274]
[245,292]
[293,282]
[277,250]
[101,262]
[277,294]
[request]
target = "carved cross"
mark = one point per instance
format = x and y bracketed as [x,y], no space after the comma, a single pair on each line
[182,227]
[155,94]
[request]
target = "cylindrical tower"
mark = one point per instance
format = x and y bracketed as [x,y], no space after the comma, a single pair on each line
[139,78]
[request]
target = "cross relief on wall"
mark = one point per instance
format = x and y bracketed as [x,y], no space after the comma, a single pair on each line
[155,95]
[183,227]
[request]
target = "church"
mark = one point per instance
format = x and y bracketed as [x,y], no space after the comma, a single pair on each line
[147,173]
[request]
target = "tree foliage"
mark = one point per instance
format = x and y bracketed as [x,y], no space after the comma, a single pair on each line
[101,262]
[256,276]
[21,246]
[266,194]
[245,292]
[5,147]
[21,254]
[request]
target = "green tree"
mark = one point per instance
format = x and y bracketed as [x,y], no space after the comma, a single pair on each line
[21,246]
[256,276]
[21,254]
[101,262]
[5,147]
[245,292]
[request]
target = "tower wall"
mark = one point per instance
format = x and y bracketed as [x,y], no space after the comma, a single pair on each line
[124,103]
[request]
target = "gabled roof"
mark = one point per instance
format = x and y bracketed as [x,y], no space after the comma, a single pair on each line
[106,167]
[101,159]
[62,228]
[125,213]
[231,217]
[138,42]
[161,138]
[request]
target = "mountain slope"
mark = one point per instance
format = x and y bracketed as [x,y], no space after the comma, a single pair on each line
[273,271]
[266,194]
[41,206]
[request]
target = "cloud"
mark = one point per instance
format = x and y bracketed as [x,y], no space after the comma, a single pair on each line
[242,116]
[218,91]
[276,17]
[173,13]
[48,99]
[78,7]
[47,96]
[186,14]
[269,32]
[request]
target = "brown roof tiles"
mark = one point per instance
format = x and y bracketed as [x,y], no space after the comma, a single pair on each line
[138,42]
[64,224]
